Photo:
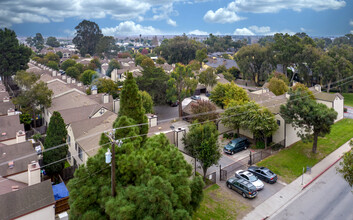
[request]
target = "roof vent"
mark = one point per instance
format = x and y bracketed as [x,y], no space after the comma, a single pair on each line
[14,188]
[3,155]
[11,164]
[3,133]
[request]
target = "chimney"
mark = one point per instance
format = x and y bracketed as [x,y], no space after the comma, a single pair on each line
[68,80]
[79,84]
[73,80]
[114,75]
[152,120]
[105,98]
[116,105]
[11,111]
[317,87]
[14,188]
[63,77]
[6,99]
[94,90]
[287,95]
[54,73]
[11,164]
[33,173]
[20,136]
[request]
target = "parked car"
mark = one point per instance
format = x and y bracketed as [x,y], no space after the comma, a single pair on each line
[242,186]
[251,178]
[208,94]
[263,173]
[236,145]
[174,104]
[195,97]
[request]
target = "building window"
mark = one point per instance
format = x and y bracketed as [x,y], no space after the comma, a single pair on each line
[80,153]
[76,146]
[68,140]
[279,122]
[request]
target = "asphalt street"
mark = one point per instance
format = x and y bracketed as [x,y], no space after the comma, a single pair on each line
[329,197]
[349,113]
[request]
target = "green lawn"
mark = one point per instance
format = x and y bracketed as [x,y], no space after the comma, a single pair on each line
[348,99]
[289,163]
[220,204]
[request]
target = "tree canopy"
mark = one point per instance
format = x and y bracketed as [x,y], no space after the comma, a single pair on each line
[53,42]
[181,84]
[346,168]
[223,94]
[147,102]
[147,186]
[88,76]
[312,119]
[88,34]
[204,106]
[68,63]
[277,86]
[113,64]
[56,135]
[208,77]
[13,56]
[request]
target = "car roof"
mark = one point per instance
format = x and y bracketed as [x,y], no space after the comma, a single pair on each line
[236,140]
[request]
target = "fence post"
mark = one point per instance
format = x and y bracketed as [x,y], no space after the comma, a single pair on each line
[250,159]
[220,172]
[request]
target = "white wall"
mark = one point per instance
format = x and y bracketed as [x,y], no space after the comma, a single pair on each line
[291,135]
[223,129]
[278,136]
[9,142]
[328,104]
[246,133]
[338,106]
[47,213]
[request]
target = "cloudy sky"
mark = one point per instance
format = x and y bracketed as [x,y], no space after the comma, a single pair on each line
[150,17]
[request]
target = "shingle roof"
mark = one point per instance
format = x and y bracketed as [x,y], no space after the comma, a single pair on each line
[89,137]
[10,125]
[269,100]
[26,200]
[7,184]
[12,153]
[79,113]
[4,106]
[330,97]
[71,100]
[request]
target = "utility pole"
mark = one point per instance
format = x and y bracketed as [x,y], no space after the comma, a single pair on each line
[113,142]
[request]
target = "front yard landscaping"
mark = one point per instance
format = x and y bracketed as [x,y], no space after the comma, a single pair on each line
[220,204]
[289,163]
[348,99]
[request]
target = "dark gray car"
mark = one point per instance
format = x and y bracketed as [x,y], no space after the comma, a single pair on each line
[242,186]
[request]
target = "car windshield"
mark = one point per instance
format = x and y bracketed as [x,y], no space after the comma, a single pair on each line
[251,187]
[252,178]
[232,144]
[269,173]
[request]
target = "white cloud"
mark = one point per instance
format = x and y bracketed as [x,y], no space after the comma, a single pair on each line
[223,15]
[270,6]
[130,28]
[198,32]
[44,11]
[70,32]
[351,22]
[302,29]
[260,30]
[229,14]
[171,22]
[243,31]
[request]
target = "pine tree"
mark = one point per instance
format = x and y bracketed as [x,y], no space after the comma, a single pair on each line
[56,135]
[131,103]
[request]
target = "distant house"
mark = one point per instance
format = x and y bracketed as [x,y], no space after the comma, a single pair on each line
[32,202]
[216,62]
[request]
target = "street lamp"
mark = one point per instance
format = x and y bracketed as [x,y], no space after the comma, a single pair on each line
[110,158]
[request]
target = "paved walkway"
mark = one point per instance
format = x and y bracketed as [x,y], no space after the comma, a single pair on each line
[285,195]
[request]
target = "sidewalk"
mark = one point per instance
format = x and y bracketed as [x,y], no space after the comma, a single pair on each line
[285,195]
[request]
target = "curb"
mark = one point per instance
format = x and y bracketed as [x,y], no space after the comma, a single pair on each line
[306,185]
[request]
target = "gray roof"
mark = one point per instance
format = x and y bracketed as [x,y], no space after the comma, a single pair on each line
[70,100]
[26,200]
[221,61]
[330,97]
[10,125]
[79,113]
[269,100]
[7,184]
[13,153]
[4,106]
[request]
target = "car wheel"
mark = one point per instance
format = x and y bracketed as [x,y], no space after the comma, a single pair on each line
[243,195]
[229,186]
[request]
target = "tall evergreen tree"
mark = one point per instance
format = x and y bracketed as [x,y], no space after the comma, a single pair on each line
[87,37]
[56,135]
[131,103]
[13,56]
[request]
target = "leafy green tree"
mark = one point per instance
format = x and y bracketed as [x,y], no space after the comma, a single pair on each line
[221,69]
[301,87]
[51,57]
[278,75]
[53,42]
[221,44]
[204,106]
[267,40]
[139,58]
[26,79]
[25,119]
[255,62]
[154,81]
[181,84]
[202,143]
[131,103]
[68,63]
[106,86]
[60,54]
[261,122]
[87,37]
[208,77]
[311,118]
[277,86]
[179,49]
[142,176]
[73,72]
[194,65]
[52,64]
[147,102]
[29,41]
[80,67]
[96,63]
[147,63]
[13,56]
[228,76]
[346,168]
[113,64]
[234,71]
[88,76]
[56,135]
[223,94]
[201,55]
[106,46]
[161,60]
[38,41]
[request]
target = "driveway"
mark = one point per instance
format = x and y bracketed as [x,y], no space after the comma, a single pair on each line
[349,113]
[166,112]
